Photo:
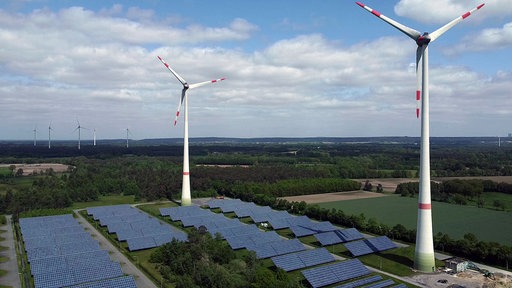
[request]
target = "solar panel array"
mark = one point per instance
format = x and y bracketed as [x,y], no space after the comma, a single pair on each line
[125,281]
[303,259]
[246,209]
[334,273]
[279,247]
[213,222]
[370,245]
[338,236]
[360,282]
[61,253]
[251,240]
[138,229]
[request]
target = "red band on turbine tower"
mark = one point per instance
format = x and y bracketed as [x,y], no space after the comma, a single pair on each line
[423,206]
[186,173]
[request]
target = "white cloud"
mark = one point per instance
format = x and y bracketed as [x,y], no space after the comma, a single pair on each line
[442,11]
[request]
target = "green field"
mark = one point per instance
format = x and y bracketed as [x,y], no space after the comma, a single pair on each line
[105,201]
[454,220]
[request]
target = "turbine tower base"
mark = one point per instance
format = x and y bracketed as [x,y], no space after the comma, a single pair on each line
[424,262]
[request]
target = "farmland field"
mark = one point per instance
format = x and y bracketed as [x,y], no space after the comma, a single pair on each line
[454,220]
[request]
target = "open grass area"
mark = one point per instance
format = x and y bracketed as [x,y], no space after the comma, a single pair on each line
[490,197]
[105,201]
[454,220]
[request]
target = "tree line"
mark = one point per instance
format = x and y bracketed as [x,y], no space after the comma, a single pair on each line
[459,191]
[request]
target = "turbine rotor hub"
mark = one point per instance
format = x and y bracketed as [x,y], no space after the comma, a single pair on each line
[423,39]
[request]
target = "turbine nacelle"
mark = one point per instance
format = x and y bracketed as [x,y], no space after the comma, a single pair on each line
[423,39]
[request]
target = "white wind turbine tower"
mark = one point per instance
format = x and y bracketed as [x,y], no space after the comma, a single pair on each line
[94,137]
[35,135]
[50,135]
[424,255]
[127,134]
[186,198]
[79,127]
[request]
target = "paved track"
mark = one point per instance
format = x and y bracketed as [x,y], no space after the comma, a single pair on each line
[128,267]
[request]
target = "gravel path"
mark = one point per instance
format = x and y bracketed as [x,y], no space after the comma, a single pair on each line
[128,267]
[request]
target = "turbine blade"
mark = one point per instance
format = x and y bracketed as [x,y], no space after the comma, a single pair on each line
[183,93]
[205,82]
[419,55]
[173,72]
[406,30]
[434,35]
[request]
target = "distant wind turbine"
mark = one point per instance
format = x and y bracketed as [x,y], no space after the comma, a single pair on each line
[127,133]
[424,255]
[79,127]
[35,135]
[94,137]
[50,135]
[186,199]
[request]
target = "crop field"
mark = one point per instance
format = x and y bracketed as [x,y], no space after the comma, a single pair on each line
[454,220]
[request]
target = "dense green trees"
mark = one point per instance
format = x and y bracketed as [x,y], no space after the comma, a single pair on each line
[206,261]
[458,191]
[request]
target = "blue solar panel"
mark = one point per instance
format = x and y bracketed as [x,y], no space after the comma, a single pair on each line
[333,273]
[303,259]
[141,243]
[371,245]
[328,238]
[382,284]
[72,257]
[244,241]
[338,236]
[300,231]
[360,282]
[119,282]
[280,247]
[349,234]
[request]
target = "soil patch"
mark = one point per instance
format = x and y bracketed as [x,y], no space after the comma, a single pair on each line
[332,197]
[29,169]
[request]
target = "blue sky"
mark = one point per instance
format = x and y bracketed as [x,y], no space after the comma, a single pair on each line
[293,68]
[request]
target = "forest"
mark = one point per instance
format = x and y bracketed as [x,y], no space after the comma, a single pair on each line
[261,172]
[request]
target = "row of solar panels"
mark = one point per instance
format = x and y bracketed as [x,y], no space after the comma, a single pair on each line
[139,230]
[238,234]
[324,232]
[61,253]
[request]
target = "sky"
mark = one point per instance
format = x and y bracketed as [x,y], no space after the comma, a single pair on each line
[293,68]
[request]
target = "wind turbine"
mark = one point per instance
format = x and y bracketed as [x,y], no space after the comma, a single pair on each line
[127,133]
[35,135]
[186,199]
[424,255]
[79,128]
[94,137]
[50,135]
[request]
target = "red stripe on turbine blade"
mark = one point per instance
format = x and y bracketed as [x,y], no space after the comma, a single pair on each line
[418,93]
[417,112]
[159,58]
[480,6]
[466,15]
[186,173]
[425,206]
[376,13]
[360,4]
